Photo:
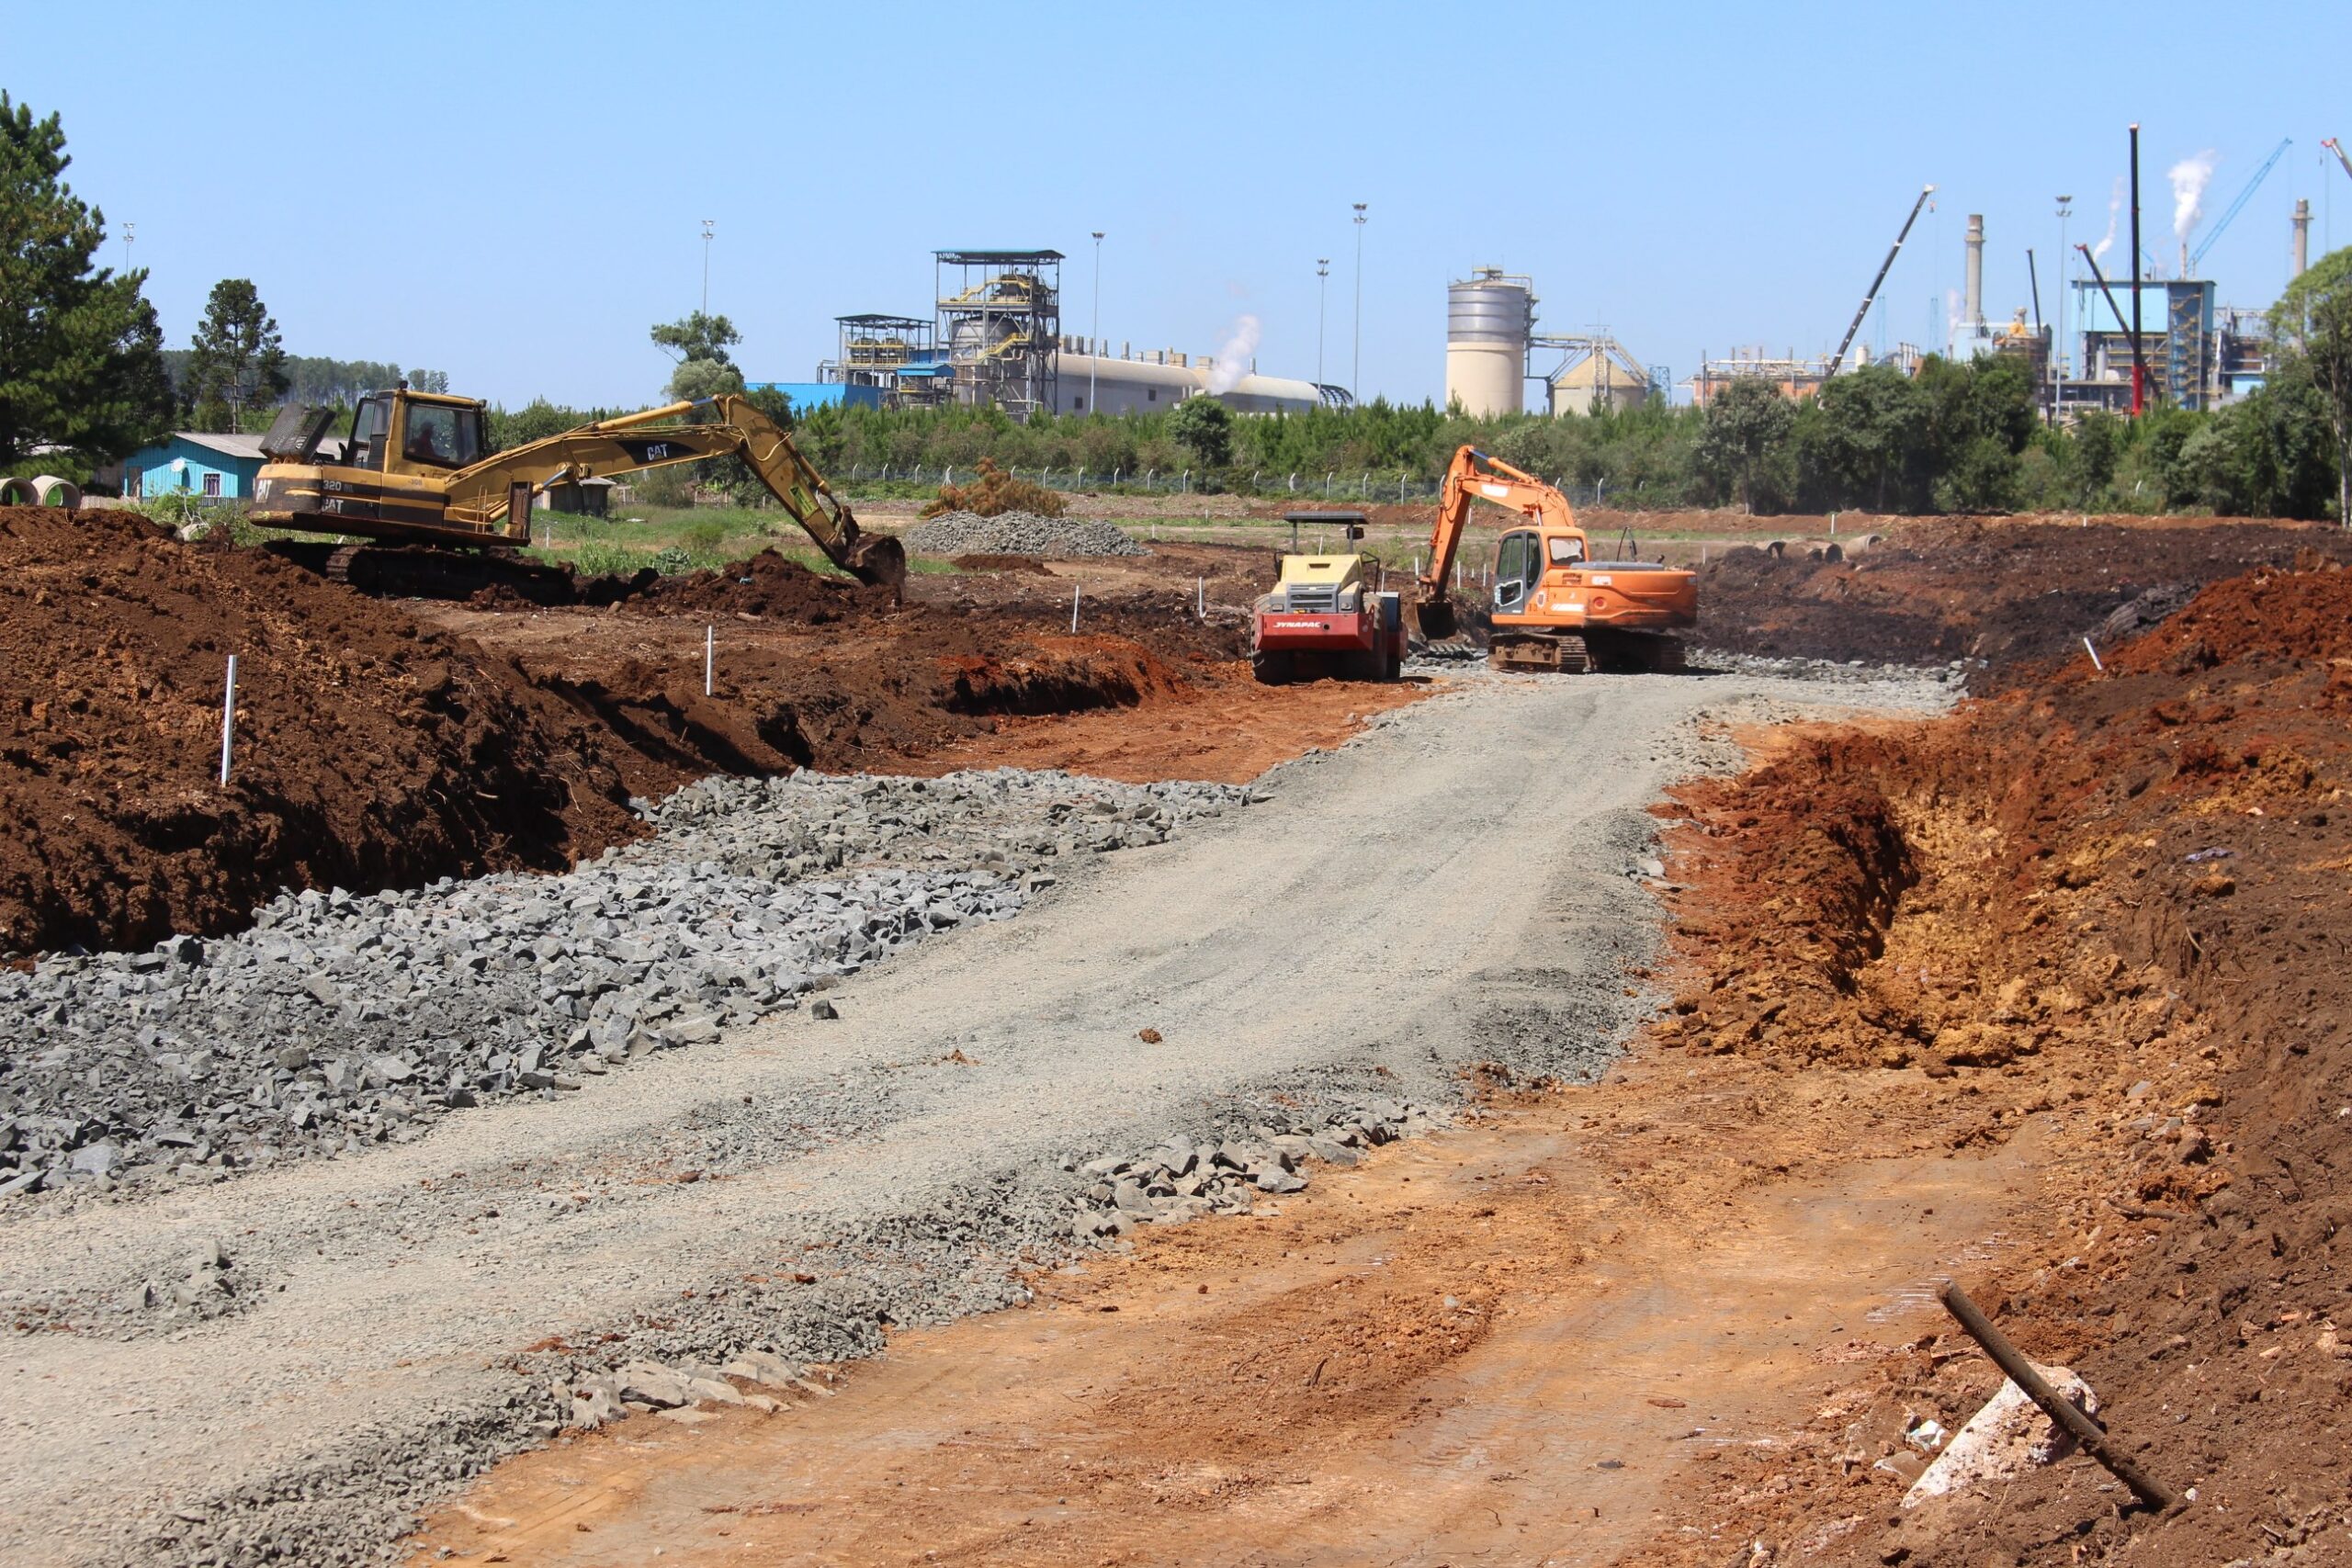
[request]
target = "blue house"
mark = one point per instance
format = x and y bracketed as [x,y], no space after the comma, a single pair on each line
[221,467]
[215,466]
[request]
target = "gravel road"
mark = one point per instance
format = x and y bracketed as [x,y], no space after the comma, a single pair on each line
[1458,885]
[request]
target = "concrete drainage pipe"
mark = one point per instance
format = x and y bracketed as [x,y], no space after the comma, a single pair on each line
[50,491]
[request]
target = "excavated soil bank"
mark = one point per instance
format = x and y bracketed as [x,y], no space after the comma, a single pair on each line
[2105,913]
[2001,592]
[368,752]
[384,743]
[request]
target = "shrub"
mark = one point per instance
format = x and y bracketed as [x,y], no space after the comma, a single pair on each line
[996,492]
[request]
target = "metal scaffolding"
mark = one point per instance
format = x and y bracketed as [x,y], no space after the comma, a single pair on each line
[999,318]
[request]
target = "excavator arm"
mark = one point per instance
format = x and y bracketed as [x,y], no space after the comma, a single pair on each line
[1475,475]
[483,493]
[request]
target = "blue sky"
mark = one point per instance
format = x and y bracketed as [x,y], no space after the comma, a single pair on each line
[514,192]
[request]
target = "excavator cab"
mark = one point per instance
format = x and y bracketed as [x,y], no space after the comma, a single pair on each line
[414,433]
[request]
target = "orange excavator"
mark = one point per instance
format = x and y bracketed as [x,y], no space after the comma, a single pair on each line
[1554,607]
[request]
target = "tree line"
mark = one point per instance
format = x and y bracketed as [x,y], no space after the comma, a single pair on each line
[84,378]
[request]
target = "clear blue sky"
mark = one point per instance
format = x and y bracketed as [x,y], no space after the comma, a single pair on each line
[514,192]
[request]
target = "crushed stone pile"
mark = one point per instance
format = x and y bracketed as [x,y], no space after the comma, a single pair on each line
[1018,534]
[343,1019]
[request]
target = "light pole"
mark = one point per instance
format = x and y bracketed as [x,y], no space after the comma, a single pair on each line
[707,226]
[129,232]
[2058,349]
[1355,374]
[1322,293]
[1094,359]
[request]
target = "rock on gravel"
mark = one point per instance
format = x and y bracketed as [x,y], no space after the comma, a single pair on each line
[341,1020]
[1018,534]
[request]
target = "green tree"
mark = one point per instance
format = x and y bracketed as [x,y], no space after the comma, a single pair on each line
[700,343]
[1746,429]
[81,361]
[429,381]
[2313,319]
[238,360]
[1865,442]
[1204,427]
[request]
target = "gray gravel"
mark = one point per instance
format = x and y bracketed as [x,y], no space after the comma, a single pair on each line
[375,1327]
[1018,534]
[341,1020]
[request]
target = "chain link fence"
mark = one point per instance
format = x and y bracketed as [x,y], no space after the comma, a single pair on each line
[1366,487]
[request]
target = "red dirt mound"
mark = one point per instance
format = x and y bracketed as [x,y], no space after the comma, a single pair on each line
[367,752]
[2007,592]
[768,585]
[2105,911]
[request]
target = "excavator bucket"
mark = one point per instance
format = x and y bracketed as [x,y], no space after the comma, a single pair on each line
[880,560]
[1431,620]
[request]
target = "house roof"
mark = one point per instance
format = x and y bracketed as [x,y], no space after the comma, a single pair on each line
[231,446]
[248,447]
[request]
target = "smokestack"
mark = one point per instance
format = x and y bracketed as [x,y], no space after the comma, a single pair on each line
[1973,307]
[2139,362]
[2302,235]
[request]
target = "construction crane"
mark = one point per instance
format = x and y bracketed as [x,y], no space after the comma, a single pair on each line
[2337,148]
[1883,268]
[2198,255]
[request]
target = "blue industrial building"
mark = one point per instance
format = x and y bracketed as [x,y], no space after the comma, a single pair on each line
[807,395]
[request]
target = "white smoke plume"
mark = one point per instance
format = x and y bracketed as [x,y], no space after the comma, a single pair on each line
[1233,355]
[1955,313]
[2114,211]
[2190,177]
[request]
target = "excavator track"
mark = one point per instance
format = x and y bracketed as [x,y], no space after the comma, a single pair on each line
[1561,653]
[398,571]
[1566,653]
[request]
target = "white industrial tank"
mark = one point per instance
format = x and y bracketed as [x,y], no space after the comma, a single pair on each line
[1487,320]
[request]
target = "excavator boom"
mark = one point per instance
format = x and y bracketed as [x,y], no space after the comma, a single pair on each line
[1472,477]
[397,491]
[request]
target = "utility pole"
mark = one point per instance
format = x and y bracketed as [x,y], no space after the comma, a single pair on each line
[1322,293]
[1094,359]
[707,229]
[1355,374]
[2139,373]
[2058,343]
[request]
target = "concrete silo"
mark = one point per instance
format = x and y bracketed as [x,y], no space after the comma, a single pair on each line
[1487,320]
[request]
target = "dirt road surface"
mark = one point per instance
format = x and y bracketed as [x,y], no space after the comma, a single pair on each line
[1451,887]
[1506,1343]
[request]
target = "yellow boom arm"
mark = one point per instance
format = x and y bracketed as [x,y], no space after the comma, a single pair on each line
[659,437]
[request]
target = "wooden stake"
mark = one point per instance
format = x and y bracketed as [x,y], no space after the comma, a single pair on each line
[2087,1432]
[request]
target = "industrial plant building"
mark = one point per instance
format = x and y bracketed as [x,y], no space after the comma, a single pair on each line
[2197,352]
[1492,349]
[995,339]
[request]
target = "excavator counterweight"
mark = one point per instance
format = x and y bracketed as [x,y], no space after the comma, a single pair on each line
[415,471]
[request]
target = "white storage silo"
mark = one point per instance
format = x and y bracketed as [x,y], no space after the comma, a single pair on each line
[1489,319]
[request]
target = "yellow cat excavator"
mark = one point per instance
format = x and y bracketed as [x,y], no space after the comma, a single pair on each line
[415,472]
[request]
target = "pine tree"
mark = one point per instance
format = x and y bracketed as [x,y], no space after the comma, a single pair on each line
[81,361]
[238,359]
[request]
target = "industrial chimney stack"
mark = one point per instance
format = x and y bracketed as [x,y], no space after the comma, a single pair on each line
[1973,308]
[2302,235]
